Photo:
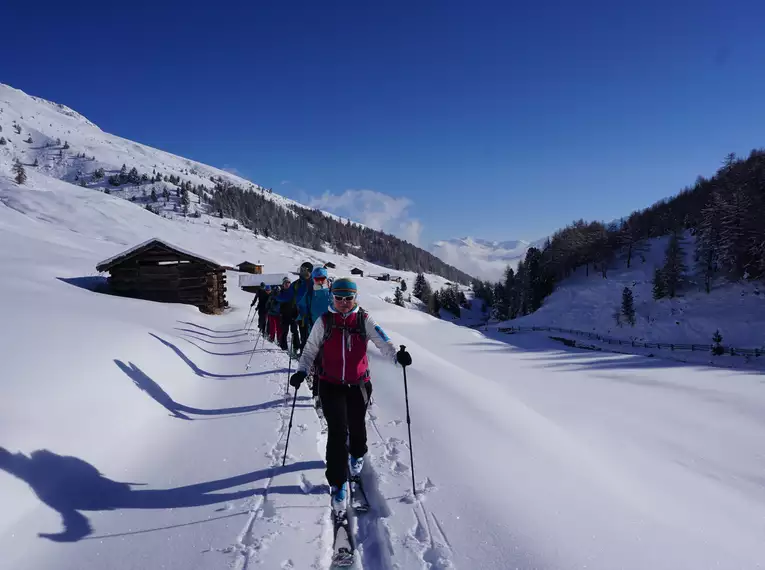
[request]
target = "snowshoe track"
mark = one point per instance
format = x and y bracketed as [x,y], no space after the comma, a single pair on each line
[428,541]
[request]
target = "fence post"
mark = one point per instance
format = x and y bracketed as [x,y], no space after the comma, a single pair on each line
[672,347]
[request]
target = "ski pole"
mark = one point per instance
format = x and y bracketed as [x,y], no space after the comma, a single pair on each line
[253,351]
[409,426]
[289,428]
[252,321]
[289,373]
[247,320]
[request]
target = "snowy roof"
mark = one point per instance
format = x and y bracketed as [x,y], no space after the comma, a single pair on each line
[254,280]
[107,264]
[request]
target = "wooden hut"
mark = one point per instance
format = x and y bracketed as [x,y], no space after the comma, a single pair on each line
[158,271]
[357,271]
[329,265]
[248,267]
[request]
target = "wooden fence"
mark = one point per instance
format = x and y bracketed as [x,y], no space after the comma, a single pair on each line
[733,351]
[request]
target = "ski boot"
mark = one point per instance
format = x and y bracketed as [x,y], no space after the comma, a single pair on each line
[357,464]
[338,500]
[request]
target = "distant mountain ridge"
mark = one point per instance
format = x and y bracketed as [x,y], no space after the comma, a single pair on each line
[485,259]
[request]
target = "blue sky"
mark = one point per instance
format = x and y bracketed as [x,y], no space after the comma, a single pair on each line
[430,118]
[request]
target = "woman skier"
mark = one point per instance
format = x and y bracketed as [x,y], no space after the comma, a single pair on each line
[338,345]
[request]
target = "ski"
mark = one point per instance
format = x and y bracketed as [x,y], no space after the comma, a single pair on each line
[342,546]
[359,501]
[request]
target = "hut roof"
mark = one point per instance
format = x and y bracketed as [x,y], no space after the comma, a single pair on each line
[107,264]
[255,280]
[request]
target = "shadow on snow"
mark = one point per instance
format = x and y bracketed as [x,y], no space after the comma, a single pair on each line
[565,357]
[70,485]
[191,339]
[205,374]
[155,391]
[209,329]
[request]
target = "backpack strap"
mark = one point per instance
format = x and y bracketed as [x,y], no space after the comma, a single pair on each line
[361,323]
[329,325]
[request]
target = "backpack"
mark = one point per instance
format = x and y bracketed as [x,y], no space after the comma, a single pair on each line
[360,328]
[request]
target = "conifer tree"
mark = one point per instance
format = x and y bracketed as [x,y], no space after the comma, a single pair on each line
[628,306]
[18,170]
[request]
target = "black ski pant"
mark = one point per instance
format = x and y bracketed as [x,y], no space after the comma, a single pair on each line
[262,321]
[303,330]
[289,325]
[345,408]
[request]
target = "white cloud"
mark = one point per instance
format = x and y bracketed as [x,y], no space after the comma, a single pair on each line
[374,209]
[283,182]
[411,231]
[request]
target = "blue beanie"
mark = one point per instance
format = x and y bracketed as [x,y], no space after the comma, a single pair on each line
[344,285]
[319,272]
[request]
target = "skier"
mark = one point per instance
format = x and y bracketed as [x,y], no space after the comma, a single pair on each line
[300,288]
[261,299]
[318,299]
[274,321]
[288,314]
[339,340]
[314,304]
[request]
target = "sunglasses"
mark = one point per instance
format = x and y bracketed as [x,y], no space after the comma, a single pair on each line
[320,279]
[344,297]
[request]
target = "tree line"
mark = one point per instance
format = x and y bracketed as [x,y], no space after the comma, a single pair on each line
[725,213]
[315,230]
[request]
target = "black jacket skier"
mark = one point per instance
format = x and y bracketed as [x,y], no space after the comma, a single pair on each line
[261,300]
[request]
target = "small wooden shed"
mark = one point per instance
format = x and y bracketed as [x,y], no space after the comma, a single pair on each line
[329,265]
[158,271]
[357,271]
[249,267]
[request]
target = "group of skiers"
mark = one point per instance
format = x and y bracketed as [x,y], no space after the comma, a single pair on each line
[293,306]
[330,331]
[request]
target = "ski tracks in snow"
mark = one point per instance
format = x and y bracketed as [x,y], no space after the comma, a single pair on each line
[426,538]
[248,545]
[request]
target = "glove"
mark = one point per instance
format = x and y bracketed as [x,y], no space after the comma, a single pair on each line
[297,379]
[403,357]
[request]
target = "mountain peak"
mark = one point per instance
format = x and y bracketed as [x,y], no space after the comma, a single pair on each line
[486,259]
[11,95]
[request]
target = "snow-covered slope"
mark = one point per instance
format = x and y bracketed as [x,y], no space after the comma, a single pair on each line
[588,303]
[67,146]
[132,435]
[482,258]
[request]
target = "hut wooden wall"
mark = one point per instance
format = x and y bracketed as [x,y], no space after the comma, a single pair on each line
[165,276]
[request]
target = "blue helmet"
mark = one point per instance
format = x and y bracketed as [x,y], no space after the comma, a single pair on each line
[319,272]
[268,287]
